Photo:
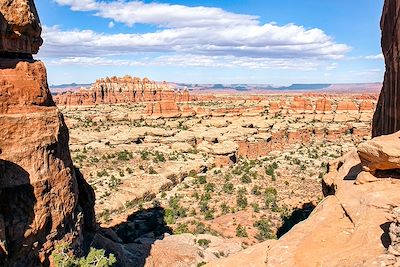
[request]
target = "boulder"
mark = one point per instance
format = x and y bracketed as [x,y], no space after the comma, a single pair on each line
[381,153]
[19,28]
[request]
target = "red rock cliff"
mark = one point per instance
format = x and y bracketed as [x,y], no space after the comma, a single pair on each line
[43,199]
[387,116]
[127,89]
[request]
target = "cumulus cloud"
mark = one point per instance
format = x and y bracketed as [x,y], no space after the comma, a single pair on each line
[132,12]
[269,40]
[190,36]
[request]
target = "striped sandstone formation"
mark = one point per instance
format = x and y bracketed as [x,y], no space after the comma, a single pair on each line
[125,89]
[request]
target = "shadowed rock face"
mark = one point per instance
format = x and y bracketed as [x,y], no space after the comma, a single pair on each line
[387,116]
[41,194]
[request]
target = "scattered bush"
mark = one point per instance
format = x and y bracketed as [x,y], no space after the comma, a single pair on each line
[264,230]
[241,231]
[204,242]
[63,257]
[228,188]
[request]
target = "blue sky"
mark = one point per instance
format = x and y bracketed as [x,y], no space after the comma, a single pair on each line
[213,41]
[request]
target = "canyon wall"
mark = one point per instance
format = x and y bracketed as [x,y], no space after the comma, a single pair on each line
[337,108]
[387,116]
[44,199]
[125,89]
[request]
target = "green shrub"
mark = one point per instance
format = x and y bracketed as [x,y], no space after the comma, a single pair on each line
[209,215]
[159,157]
[228,188]
[102,173]
[114,182]
[264,230]
[124,155]
[241,200]
[152,171]
[204,242]
[256,207]
[209,187]
[181,229]
[144,155]
[225,208]
[270,196]
[256,190]
[202,179]
[241,231]
[245,179]
[63,257]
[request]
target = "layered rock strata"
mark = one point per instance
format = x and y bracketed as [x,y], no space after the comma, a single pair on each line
[44,199]
[340,111]
[387,116]
[126,89]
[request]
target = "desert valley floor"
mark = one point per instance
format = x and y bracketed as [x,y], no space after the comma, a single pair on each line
[232,171]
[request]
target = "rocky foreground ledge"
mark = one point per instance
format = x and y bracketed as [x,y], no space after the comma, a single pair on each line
[357,224]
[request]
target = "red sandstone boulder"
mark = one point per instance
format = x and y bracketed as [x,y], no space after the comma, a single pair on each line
[346,106]
[19,27]
[323,105]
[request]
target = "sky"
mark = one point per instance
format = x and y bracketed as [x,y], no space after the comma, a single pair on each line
[278,42]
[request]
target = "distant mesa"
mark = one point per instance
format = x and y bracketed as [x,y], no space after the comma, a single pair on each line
[127,89]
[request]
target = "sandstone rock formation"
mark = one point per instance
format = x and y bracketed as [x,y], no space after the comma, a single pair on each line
[348,228]
[381,153]
[127,89]
[387,117]
[19,28]
[44,199]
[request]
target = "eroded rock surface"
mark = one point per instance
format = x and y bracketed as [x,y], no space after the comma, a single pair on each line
[387,116]
[19,28]
[42,195]
[127,89]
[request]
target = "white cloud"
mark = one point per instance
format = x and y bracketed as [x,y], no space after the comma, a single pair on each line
[111,24]
[189,36]
[375,57]
[132,12]
[269,40]
[193,61]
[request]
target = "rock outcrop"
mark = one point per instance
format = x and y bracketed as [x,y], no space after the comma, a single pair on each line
[125,89]
[387,117]
[19,28]
[350,227]
[44,199]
